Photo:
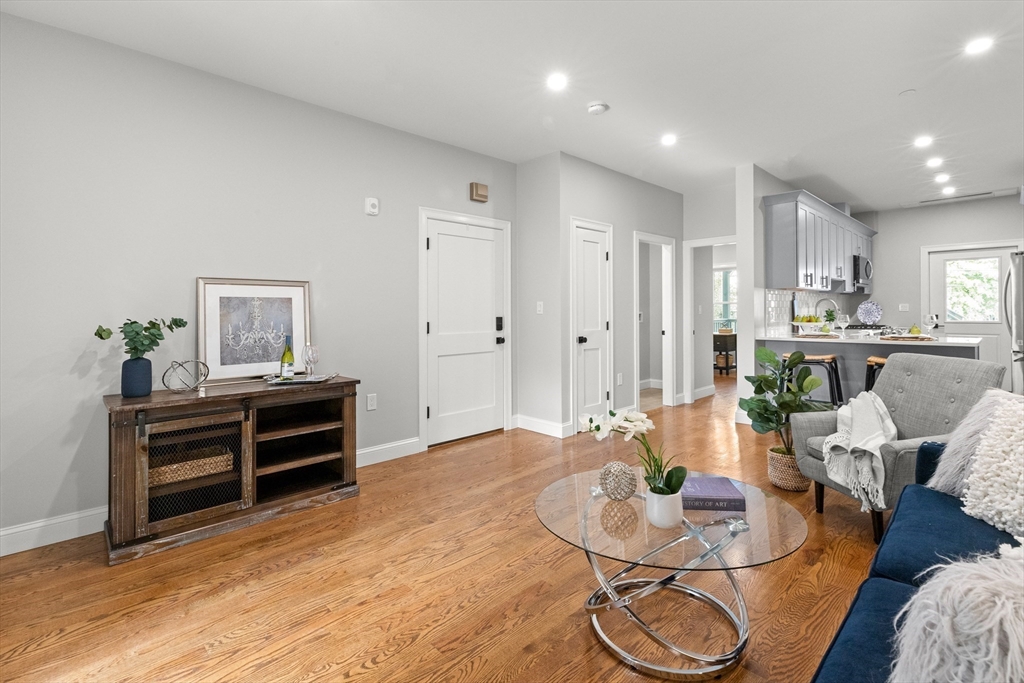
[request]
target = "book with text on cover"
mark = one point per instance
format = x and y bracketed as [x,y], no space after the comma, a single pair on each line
[712,493]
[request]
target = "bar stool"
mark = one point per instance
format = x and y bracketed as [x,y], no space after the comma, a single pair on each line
[831,365]
[875,365]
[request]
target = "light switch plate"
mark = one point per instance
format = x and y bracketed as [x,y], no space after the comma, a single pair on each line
[904,308]
[540,306]
[372,206]
[371,401]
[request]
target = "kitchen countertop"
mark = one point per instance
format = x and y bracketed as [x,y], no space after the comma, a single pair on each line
[957,342]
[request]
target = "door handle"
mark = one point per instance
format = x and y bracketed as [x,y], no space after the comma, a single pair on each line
[581,340]
[499,340]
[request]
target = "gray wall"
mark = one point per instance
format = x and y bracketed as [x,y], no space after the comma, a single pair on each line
[902,233]
[539,265]
[711,209]
[125,177]
[703,319]
[597,193]
[724,255]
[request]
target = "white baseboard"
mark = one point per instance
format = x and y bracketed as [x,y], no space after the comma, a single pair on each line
[546,427]
[681,399]
[650,384]
[741,417]
[703,392]
[388,451]
[14,539]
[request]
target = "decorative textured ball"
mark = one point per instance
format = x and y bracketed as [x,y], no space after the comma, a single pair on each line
[869,312]
[187,375]
[619,519]
[618,480]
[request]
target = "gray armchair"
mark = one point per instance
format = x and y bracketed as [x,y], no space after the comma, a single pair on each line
[927,396]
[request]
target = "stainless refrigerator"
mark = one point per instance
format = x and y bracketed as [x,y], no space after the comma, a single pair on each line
[1013,309]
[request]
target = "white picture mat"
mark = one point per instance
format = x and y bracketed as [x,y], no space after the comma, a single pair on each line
[212,294]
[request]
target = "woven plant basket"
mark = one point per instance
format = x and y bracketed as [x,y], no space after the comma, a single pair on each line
[783,472]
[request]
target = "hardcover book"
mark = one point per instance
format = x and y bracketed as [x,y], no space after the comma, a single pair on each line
[712,493]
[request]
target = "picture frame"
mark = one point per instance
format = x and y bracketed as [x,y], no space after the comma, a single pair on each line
[242,324]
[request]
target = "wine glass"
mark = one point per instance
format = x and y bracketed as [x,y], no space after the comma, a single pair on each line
[929,322]
[842,320]
[310,356]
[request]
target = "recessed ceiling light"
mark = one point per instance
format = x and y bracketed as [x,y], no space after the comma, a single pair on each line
[942,177]
[922,141]
[978,45]
[597,108]
[668,139]
[948,190]
[557,81]
[934,162]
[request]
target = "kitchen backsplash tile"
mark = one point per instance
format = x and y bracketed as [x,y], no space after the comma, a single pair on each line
[778,305]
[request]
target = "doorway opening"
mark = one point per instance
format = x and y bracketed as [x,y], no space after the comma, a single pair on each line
[712,315]
[654,318]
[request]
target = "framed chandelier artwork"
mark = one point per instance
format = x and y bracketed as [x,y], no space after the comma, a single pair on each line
[243,324]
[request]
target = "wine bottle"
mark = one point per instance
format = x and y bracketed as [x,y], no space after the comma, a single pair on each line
[287,359]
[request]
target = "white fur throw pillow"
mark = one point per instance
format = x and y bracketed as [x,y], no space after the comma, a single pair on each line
[955,464]
[965,624]
[995,484]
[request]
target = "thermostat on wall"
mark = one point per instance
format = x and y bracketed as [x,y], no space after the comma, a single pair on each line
[372,206]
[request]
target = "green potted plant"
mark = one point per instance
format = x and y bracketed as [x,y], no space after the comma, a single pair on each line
[777,395]
[139,339]
[663,504]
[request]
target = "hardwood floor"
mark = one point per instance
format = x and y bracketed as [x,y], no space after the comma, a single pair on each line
[437,571]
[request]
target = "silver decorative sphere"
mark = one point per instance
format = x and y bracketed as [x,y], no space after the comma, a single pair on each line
[618,480]
[186,375]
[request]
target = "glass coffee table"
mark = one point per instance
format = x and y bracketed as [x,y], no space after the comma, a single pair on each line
[577,511]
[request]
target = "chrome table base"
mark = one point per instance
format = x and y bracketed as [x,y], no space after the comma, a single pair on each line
[623,594]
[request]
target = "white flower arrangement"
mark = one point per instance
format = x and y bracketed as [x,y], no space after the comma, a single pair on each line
[636,425]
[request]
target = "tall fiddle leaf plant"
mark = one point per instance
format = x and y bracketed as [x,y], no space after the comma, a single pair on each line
[778,394]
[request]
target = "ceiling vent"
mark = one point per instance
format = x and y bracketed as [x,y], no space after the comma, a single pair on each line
[961,198]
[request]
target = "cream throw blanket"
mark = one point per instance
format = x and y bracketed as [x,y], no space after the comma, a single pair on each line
[853,454]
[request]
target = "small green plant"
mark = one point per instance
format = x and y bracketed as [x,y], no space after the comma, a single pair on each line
[634,425]
[140,339]
[777,395]
[830,315]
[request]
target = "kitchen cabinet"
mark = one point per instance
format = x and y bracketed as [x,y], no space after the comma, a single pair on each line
[810,244]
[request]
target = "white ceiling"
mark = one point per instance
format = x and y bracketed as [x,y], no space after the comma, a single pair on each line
[806,90]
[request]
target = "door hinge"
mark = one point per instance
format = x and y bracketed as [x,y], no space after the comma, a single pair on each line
[428,243]
[140,421]
[663,333]
[606,256]
[499,323]
[428,327]
[428,412]
[607,325]
[607,395]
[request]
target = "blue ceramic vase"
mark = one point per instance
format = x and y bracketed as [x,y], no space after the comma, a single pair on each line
[136,378]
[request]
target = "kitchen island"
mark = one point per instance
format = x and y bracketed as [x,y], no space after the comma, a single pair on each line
[852,354]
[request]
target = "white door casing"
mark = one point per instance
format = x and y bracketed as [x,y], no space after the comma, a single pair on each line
[743,317]
[995,339]
[465,371]
[591,316]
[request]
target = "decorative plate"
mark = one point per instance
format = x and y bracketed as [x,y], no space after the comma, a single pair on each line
[869,312]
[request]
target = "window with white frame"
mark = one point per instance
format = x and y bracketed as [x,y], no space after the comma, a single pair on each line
[724,298]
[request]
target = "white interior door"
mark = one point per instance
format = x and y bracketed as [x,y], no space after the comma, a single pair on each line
[593,391]
[965,290]
[465,351]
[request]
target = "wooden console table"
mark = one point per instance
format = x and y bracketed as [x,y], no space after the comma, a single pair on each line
[184,467]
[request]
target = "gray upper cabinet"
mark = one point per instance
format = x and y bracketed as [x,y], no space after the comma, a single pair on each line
[810,244]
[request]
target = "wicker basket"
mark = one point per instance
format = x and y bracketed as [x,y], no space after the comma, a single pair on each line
[175,467]
[783,472]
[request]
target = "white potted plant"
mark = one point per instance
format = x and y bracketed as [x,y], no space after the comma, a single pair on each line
[662,502]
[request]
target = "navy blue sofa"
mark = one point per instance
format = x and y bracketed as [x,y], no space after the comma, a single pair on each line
[926,528]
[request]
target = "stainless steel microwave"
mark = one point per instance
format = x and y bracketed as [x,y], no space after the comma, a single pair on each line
[862,270]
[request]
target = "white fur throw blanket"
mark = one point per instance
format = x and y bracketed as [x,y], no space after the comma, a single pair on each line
[995,483]
[965,624]
[853,454]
